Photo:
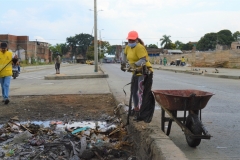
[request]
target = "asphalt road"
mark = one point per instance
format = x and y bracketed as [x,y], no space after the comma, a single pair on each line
[221,115]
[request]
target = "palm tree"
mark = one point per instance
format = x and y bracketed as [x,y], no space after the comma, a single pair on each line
[165,40]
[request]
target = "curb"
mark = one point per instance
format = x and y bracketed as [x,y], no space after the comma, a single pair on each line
[63,77]
[104,72]
[222,76]
[150,141]
[197,73]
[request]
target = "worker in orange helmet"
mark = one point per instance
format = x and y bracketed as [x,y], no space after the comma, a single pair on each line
[136,55]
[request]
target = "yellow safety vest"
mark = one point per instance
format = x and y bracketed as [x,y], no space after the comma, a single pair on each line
[5,61]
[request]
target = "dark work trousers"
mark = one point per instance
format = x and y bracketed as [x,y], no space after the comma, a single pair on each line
[142,97]
[57,66]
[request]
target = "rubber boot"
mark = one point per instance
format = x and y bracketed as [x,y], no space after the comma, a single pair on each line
[135,113]
[136,116]
[135,109]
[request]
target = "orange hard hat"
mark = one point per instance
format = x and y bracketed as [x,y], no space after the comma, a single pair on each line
[132,35]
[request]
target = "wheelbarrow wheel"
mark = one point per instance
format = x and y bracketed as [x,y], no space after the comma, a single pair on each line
[194,125]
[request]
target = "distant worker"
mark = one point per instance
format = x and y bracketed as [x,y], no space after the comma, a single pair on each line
[160,61]
[183,61]
[164,61]
[19,60]
[172,63]
[6,59]
[142,74]
[57,63]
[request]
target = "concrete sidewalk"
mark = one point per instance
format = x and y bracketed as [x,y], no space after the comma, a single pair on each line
[86,71]
[204,71]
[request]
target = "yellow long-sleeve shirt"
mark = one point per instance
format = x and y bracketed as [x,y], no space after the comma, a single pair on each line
[5,60]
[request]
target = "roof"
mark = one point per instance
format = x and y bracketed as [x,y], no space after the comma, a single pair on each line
[174,51]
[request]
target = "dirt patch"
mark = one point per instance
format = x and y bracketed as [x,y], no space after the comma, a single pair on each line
[58,107]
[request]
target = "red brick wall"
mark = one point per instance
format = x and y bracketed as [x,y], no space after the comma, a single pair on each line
[23,42]
[11,40]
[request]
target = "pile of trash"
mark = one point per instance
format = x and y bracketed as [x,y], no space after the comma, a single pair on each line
[58,140]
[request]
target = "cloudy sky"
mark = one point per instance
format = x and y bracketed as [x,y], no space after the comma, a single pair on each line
[55,20]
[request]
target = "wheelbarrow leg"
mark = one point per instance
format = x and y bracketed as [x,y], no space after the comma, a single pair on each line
[163,120]
[169,127]
[174,113]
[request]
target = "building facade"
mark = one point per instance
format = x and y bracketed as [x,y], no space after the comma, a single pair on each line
[27,50]
[235,45]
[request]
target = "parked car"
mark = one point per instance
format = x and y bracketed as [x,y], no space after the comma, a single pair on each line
[89,62]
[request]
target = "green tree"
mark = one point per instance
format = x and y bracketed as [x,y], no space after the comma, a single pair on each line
[187,46]
[170,46]
[152,46]
[165,40]
[111,50]
[102,49]
[90,52]
[225,37]
[72,44]
[236,36]
[53,49]
[208,41]
[178,44]
[62,49]
[79,43]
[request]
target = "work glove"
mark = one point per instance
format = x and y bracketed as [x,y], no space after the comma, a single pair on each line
[132,66]
[123,67]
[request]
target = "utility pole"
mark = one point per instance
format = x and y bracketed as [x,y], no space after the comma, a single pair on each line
[35,51]
[95,37]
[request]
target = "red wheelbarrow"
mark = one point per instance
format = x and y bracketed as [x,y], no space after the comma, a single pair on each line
[189,101]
